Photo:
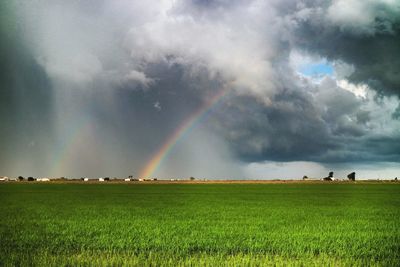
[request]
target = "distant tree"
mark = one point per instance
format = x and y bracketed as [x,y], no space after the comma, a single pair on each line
[30,179]
[352,176]
[20,178]
[107,179]
[305,177]
[192,178]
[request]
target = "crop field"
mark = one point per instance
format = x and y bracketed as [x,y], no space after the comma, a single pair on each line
[299,224]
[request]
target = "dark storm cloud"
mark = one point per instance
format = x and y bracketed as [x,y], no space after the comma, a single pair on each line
[135,70]
[25,101]
[329,124]
[365,34]
[321,123]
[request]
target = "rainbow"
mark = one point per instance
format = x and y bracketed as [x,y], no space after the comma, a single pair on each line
[185,127]
[70,142]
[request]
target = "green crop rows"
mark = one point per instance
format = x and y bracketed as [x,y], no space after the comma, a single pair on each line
[199,224]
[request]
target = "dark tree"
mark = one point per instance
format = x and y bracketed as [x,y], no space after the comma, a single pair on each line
[352,176]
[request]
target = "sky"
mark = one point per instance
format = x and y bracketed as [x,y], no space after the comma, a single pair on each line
[215,89]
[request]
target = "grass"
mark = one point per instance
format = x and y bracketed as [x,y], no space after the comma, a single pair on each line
[200,224]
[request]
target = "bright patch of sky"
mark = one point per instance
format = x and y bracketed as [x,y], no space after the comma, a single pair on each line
[311,66]
[316,69]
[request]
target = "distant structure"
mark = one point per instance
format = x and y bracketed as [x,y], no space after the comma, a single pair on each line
[352,176]
[329,178]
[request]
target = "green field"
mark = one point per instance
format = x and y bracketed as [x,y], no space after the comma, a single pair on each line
[200,224]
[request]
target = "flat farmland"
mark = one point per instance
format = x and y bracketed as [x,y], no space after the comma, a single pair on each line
[295,224]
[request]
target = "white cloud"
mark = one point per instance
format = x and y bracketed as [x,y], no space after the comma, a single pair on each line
[157,106]
[233,46]
[138,77]
[359,90]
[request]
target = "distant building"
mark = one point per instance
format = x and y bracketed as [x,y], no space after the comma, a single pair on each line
[101,179]
[329,178]
[86,179]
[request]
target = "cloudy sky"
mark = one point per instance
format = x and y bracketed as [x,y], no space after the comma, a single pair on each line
[96,88]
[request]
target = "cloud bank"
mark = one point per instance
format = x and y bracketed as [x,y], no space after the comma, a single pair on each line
[309,81]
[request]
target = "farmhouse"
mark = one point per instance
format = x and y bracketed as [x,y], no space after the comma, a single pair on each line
[43,180]
[101,179]
[127,179]
[86,179]
[329,178]
[3,179]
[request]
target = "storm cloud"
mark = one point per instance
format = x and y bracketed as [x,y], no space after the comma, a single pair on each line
[94,88]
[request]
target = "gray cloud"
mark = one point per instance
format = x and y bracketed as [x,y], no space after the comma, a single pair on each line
[106,64]
[316,122]
[364,34]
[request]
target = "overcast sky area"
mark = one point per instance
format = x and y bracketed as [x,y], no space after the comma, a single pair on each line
[95,88]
